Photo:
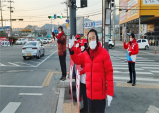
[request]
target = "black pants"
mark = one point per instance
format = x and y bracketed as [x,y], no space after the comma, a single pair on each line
[96,106]
[132,72]
[63,65]
[84,96]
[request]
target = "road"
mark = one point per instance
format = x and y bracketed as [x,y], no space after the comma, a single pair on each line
[32,85]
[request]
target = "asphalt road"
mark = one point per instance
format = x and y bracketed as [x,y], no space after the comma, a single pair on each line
[29,86]
[32,85]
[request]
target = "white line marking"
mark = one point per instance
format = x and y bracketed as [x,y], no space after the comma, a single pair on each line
[152,109]
[136,72]
[25,64]
[19,70]
[155,71]
[46,58]
[150,67]
[2,64]
[126,68]
[13,64]
[147,65]
[14,86]
[11,107]
[33,94]
[141,79]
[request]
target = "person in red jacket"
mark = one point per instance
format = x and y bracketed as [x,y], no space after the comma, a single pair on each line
[99,73]
[132,51]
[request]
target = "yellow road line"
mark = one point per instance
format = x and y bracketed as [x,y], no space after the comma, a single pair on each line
[46,78]
[49,79]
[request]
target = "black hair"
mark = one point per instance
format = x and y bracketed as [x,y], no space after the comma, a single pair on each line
[60,28]
[132,34]
[93,30]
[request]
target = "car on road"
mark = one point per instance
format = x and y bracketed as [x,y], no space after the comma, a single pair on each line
[50,40]
[45,41]
[143,44]
[21,41]
[33,49]
[111,43]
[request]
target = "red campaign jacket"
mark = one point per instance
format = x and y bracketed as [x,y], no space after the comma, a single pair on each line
[132,50]
[99,73]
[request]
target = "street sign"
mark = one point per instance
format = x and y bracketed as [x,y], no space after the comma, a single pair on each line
[88,24]
[55,16]
[67,21]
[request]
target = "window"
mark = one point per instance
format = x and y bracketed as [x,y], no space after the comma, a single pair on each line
[139,41]
[19,39]
[143,40]
[31,44]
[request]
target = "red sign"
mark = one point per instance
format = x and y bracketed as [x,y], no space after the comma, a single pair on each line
[78,67]
[3,38]
[70,76]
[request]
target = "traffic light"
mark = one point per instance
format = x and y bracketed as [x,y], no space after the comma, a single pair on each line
[50,17]
[60,17]
[83,3]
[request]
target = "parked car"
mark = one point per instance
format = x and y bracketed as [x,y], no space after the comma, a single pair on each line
[33,48]
[111,43]
[45,41]
[20,41]
[143,44]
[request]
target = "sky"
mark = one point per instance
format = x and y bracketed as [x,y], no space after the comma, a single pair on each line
[36,12]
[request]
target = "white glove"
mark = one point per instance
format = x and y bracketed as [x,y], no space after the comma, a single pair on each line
[71,42]
[55,38]
[109,98]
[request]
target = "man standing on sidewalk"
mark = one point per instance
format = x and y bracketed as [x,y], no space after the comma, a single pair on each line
[61,40]
[132,51]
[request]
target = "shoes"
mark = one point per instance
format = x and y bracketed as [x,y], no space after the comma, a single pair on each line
[129,81]
[61,78]
[64,78]
[133,84]
[83,110]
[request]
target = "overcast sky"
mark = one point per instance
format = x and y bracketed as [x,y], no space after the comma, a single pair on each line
[36,12]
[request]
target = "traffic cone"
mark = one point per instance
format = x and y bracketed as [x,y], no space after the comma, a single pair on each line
[155,52]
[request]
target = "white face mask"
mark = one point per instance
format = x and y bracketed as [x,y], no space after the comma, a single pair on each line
[93,44]
[77,45]
[59,31]
[82,48]
[131,39]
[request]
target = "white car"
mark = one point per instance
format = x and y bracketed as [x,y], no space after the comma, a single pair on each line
[111,43]
[21,41]
[45,41]
[143,44]
[50,40]
[33,48]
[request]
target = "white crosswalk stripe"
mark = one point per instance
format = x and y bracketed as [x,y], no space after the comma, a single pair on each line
[147,70]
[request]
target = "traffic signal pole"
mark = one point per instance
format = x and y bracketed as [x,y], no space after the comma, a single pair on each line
[105,26]
[72,18]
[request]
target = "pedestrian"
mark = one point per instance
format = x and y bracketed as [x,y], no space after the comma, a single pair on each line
[61,40]
[83,46]
[132,51]
[99,72]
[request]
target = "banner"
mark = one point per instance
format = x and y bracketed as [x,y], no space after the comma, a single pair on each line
[70,76]
[78,67]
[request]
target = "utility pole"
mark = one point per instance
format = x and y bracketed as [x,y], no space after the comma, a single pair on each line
[1,14]
[73,18]
[11,11]
[114,22]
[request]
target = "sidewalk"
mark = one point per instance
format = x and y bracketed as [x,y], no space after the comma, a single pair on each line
[143,98]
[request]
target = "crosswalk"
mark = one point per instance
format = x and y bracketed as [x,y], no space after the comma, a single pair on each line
[147,70]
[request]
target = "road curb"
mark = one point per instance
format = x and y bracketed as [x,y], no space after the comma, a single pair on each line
[60,101]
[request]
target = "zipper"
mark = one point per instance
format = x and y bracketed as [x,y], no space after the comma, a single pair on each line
[102,86]
[91,78]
